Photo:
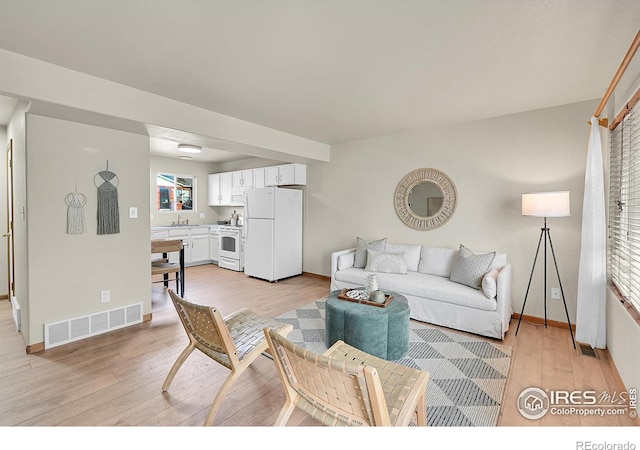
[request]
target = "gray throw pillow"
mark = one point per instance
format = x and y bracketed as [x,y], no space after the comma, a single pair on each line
[469,268]
[386,262]
[363,246]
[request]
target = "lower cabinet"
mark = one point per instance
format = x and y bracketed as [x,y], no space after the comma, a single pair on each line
[214,246]
[195,241]
[199,249]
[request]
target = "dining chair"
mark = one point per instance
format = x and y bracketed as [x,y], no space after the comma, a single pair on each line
[234,341]
[346,386]
[163,267]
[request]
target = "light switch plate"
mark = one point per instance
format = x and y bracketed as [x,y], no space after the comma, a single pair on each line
[133,212]
[202,215]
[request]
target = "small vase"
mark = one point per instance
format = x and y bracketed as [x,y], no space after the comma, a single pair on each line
[371,285]
[378,297]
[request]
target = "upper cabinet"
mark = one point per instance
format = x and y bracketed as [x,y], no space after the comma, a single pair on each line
[242,179]
[227,188]
[286,175]
[220,189]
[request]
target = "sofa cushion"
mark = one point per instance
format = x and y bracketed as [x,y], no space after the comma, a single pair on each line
[437,261]
[346,260]
[490,283]
[386,262]
[429,287]
[361,250]
[411,254]
[470,268]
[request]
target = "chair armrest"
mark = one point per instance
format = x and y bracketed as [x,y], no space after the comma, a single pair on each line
[335,256]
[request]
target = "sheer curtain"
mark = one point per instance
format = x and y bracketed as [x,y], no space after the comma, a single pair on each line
[592,274]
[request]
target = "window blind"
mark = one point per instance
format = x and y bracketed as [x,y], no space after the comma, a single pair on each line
[624,208]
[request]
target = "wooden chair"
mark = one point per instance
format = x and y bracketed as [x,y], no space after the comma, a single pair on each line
[234,341]
[345,386]
[163,267]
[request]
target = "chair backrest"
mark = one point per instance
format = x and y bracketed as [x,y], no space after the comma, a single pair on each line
[207,330]
[332,391]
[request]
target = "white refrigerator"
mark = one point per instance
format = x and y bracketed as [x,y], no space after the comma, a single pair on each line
[273,233]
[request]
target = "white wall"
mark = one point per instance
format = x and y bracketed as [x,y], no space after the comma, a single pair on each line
[67,272]
[492,162]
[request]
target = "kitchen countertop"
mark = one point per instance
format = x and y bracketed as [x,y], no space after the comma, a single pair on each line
[195,225]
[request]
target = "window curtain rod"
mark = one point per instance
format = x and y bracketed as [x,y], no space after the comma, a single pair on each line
[616,79]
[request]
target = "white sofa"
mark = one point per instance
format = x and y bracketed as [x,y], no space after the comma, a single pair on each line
[432,296]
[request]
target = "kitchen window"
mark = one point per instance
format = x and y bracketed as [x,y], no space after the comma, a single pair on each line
[175,192]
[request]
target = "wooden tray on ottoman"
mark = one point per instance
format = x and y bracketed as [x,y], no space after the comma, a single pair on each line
[343,296]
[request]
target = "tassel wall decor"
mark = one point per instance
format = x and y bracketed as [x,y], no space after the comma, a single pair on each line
[108,212]
[75,212]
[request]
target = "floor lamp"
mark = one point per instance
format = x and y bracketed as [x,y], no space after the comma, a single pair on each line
[546,204]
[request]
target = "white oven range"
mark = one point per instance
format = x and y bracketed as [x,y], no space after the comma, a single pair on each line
[230,242]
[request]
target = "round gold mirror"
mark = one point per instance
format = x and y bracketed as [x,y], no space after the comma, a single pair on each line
[425,199]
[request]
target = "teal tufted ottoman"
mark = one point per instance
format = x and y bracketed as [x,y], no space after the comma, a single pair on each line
[381,332]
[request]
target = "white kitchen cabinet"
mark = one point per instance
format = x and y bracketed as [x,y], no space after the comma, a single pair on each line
[214,245]
[195,241]
[215,195]
[242,179]
[228,188]
[220,189]
[258,177]
[159,234]
[199,246]
[286,175]
[181,233]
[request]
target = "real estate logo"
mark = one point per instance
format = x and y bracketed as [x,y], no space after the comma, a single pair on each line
[533,403]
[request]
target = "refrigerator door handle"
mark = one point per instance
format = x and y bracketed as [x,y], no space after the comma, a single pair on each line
[246,215]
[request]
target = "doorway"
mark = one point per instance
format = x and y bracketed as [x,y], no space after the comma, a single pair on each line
[8,234]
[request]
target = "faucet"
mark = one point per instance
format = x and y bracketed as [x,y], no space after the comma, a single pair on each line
[179,219]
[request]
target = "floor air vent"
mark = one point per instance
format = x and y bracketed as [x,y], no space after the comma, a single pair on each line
[76,328]
[587,350]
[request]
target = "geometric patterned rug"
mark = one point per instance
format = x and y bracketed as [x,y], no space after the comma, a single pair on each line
[467,375]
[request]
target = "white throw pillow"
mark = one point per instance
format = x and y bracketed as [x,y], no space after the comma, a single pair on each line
[437,261]
[361,250]
[345,261]
[386,262]
[470,268]
[490,284]
[411,254]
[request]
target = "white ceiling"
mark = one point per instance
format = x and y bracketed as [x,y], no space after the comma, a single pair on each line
[337,70]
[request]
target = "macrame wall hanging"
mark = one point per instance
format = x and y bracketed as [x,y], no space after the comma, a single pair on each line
[75,212]
[107,215]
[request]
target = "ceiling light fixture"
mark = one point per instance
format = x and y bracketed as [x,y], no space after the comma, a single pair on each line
[188,148]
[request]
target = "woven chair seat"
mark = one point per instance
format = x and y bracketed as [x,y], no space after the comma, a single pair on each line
[346,386]
[397,380]
[234,341]
[246,331]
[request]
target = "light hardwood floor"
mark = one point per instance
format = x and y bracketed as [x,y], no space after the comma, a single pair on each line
[116,378]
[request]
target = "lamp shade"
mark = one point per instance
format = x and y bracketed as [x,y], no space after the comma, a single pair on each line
[546,204]
[188,148]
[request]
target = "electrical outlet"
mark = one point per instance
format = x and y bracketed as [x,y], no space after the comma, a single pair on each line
[133,212]
[105,296]
[202,215]
[555,293]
